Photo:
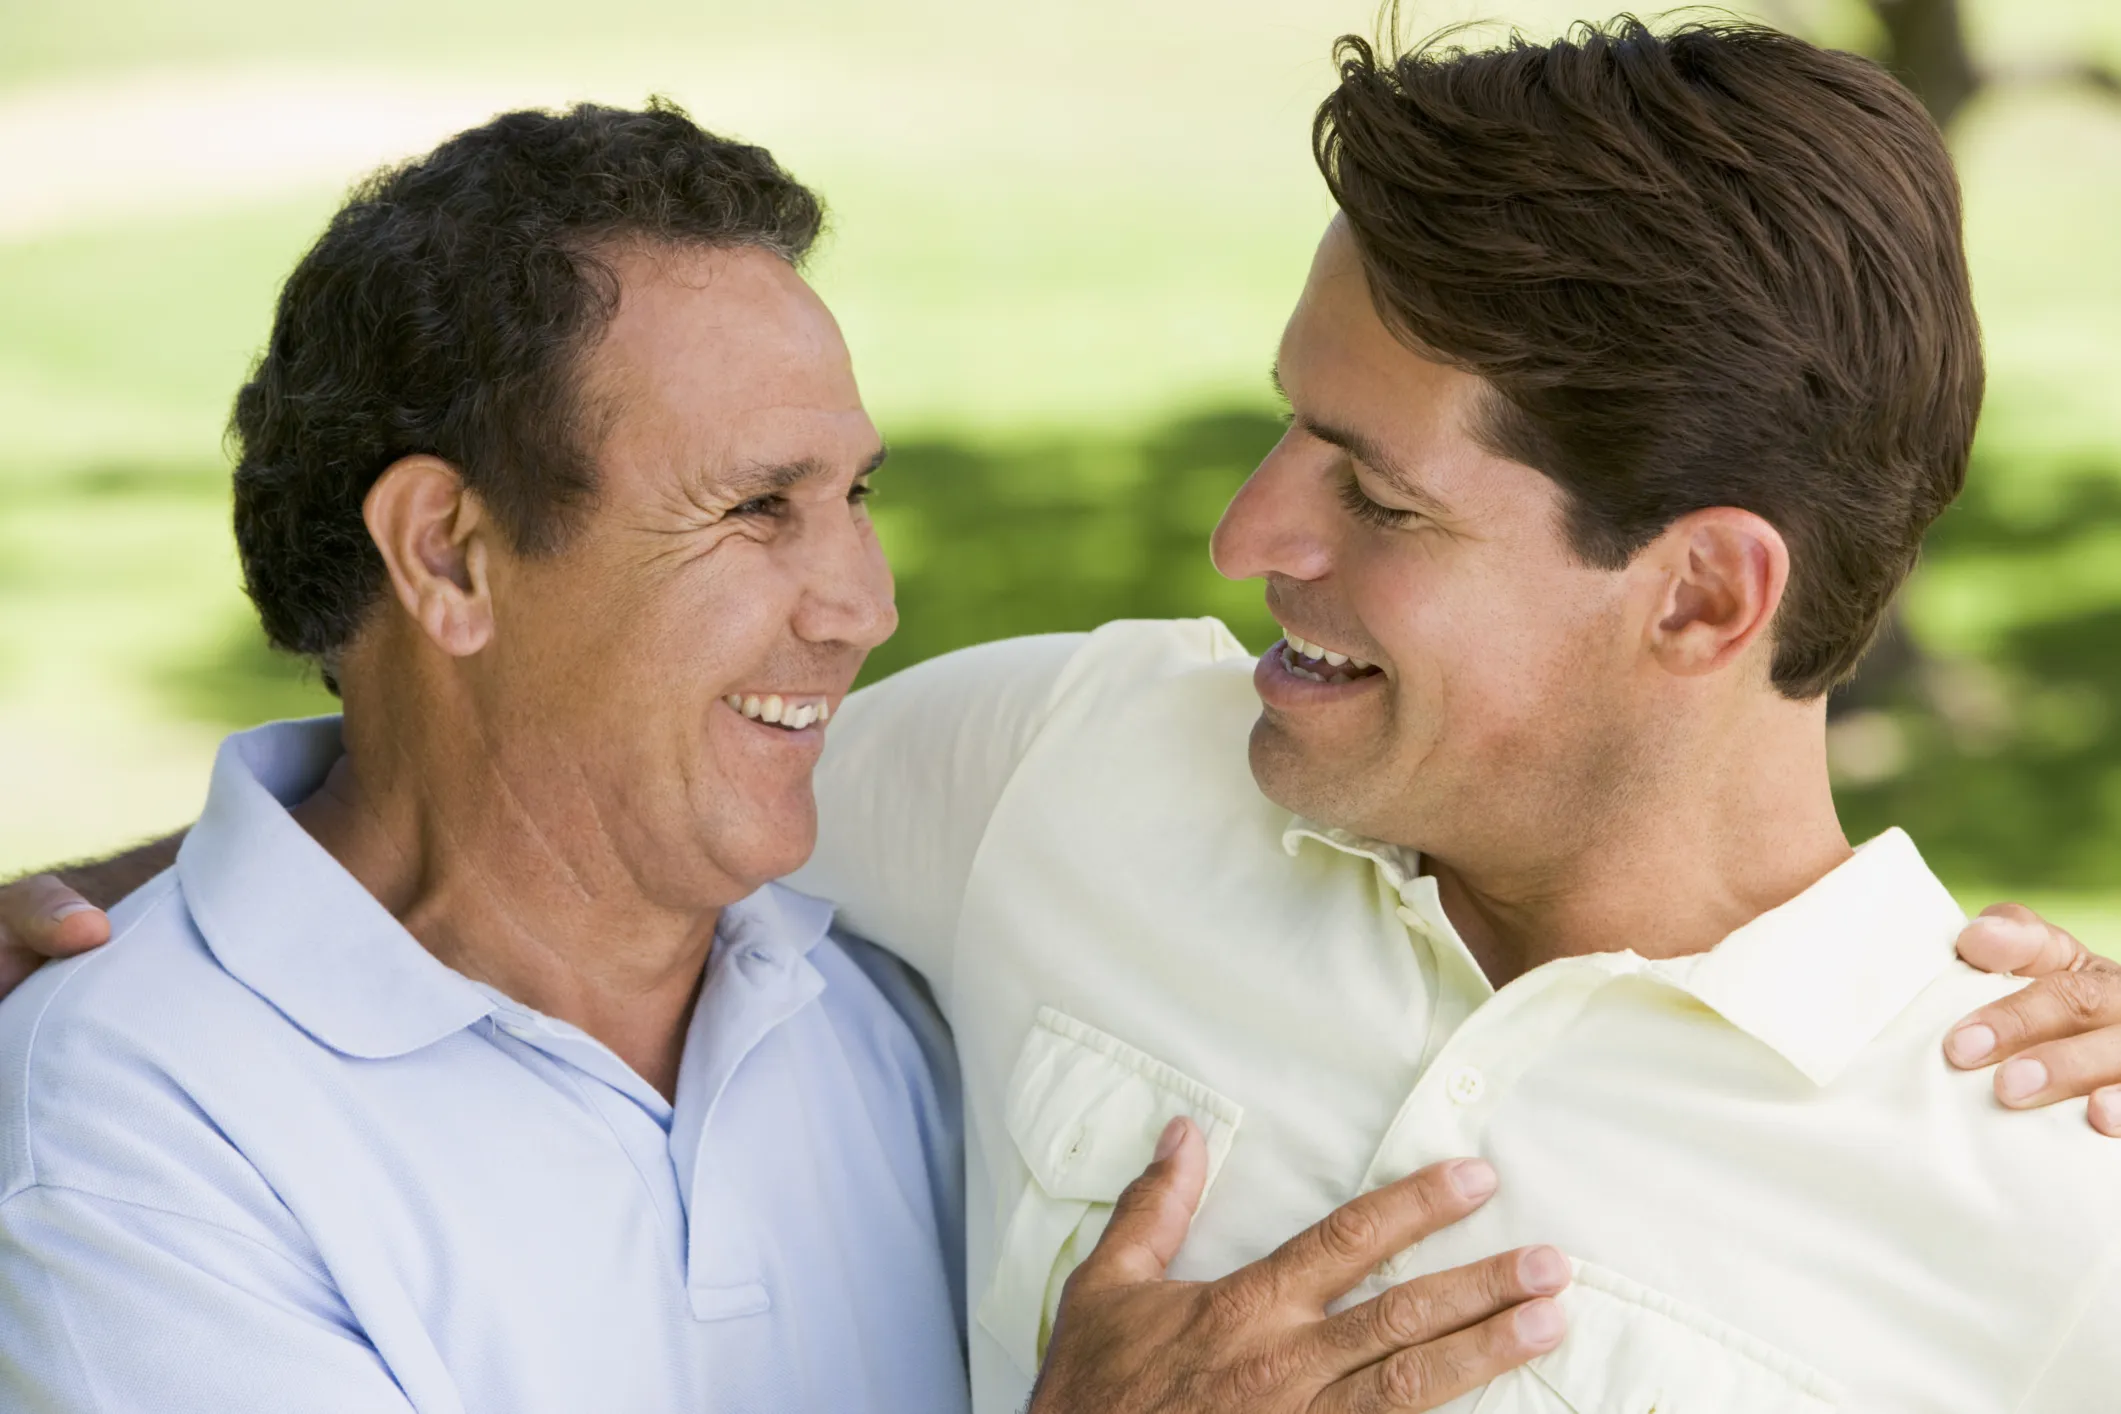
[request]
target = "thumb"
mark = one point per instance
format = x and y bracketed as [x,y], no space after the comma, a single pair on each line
[47,918]
[1152,1215]
[2009,937]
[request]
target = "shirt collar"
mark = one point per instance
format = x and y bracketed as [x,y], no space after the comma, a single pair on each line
[1815,980]
[286,920]
[1400,865]
[1819,978]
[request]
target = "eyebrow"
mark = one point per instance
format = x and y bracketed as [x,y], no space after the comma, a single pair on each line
[771,479]
[1363,449]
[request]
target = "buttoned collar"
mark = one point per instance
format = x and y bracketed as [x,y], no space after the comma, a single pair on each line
[1815,980]
[286,920]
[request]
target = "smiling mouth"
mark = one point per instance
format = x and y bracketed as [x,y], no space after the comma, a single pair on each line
[790,714]
[1317,664]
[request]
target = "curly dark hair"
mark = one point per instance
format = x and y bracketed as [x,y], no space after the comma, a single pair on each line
[1717,266]
[445,310]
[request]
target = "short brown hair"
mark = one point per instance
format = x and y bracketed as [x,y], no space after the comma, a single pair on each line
[1716,266]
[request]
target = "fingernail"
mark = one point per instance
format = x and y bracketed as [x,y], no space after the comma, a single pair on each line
[2020,1079]
[1168,1144]
[1473,1180]
[2106,1111]
[1539,1324]
[67,910]
[1971,1045]
[1544,1270]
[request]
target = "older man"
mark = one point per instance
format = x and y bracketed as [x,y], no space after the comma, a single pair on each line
[466,1060]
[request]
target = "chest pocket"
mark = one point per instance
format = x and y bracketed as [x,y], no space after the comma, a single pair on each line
[1631,1350]
[1085,1110]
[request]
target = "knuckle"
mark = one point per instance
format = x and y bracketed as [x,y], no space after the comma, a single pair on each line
[1350,1234]
[1406,1314]
[1412,1376]
[1256,1376]
[1138,1200]
[2080,997]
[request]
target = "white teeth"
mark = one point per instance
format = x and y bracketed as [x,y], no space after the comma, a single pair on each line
[1326,657]
[787,712]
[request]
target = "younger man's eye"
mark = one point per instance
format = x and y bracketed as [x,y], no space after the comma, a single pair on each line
[1370,512]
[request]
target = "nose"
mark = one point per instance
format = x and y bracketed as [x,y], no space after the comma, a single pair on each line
[848,594]
[1275,525]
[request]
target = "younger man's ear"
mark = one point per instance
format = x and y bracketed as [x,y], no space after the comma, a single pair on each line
[432,534]
[1723,572]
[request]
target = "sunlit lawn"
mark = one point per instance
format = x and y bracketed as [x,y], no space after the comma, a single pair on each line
[1064,243]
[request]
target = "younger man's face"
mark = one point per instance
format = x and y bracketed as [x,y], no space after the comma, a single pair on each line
[1505,695]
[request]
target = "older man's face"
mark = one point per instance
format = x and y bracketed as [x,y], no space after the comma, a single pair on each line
[727,574]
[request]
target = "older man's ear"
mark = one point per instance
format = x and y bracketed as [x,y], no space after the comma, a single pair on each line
[433,534]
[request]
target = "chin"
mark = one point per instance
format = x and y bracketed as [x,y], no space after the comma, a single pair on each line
[1280,770]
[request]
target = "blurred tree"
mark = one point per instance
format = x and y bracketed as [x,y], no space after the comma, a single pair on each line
[1924,43]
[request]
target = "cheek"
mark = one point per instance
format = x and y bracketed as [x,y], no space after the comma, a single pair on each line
[712,625]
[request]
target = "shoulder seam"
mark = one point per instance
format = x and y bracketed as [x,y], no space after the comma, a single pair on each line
[29,1046]
[316,1274]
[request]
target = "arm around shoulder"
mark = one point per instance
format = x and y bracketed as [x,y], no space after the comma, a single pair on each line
[913,769]
[61,912]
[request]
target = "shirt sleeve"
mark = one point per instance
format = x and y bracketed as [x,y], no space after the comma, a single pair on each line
[112,1306]
[912,771]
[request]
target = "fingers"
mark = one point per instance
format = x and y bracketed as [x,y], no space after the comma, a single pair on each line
[1416,1312]
[2105,1111]
[1151,1217]
[49,919]
[2061,1070]
[2009,937]
[1335,1253]
[2057,1006]
[1425,1376]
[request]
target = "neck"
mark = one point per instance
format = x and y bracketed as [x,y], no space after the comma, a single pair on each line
[1742,823]
[427,811]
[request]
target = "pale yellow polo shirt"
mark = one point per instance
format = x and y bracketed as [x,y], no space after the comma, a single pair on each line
[1779,1196]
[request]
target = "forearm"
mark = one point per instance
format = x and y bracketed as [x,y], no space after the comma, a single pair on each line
[105,881]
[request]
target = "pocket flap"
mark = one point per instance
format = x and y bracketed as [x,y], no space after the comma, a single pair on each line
[1086,1109]
[1632,1350]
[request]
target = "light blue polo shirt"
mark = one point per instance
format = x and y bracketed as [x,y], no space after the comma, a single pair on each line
[265,1153]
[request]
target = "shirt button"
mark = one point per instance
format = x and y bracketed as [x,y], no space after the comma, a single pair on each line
[1466,1085]
[518,1030]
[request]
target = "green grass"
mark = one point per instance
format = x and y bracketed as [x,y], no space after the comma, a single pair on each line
[1065,238]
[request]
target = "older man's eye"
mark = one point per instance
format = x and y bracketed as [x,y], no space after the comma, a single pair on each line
[767,506]
[1370,512]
